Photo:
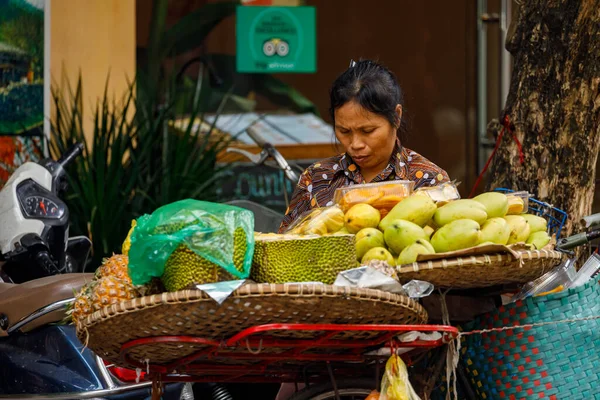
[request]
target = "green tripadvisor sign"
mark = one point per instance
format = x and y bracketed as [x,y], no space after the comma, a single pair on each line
[276,39]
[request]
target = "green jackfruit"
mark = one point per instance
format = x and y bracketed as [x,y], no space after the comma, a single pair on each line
[307,258]
[185,268]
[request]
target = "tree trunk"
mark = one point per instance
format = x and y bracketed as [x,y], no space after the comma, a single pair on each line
[553,107]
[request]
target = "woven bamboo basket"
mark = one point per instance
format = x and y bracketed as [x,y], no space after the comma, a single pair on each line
[552,361]
[193,313]
[482,270]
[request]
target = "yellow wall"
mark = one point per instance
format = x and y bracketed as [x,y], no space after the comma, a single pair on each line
[96,37]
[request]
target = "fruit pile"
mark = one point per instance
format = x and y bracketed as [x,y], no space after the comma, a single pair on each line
[417,225]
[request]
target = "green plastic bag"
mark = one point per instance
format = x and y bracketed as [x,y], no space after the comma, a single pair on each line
[206,228]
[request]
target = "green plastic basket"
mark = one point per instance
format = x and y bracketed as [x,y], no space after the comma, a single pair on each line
[555,361]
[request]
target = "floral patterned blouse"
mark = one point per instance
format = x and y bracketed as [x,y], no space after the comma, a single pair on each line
[318,183]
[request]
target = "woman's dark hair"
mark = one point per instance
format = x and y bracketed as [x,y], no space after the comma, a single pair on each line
[374,87]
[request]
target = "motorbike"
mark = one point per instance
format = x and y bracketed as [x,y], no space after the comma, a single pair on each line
[40,269]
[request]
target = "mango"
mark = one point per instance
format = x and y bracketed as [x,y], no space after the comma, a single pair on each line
[426,243]
[378,253]
[515,205]
[460,209]
[456,235]
[361,216]
[366,239]
[536,223]
[539,239]
[415,208]
[496,203]
[428,231]
[409,254]
[495,230]
[519,228]
[401,234]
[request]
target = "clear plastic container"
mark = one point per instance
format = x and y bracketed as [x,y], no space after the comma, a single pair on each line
[518,202]
[441,194]
[318,221]
[560,278]
[381,195]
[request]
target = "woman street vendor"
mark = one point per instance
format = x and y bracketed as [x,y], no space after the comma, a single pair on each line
[366,106]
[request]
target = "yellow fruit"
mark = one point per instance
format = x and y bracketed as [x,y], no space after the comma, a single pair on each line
[539,239]
[460,209]
[114,266]
[366,239]
[519,228]
[334,219]
[315,227]
[536,223]
[401,233]
[415,208]
[378,253]
[456,235]
[81,306]
[294,258]
[427,244]
[428,231]
[361,216]
[409,254]
[515,205]
[342,231]
[496,203]
[127,243]
[495,230]
[110,290]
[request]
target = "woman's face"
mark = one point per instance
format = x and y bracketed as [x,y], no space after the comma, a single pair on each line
[368,138]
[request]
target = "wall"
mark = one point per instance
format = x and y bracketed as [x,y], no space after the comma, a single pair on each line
[94,37]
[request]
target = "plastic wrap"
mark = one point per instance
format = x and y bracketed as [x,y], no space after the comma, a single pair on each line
[369,278]
[441,194]
[318,221]
[378,275]
[395,384]
[558,279]
[381,195]
[208,229]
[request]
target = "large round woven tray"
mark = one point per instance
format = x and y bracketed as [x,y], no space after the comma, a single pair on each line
[193,313]
[480,271]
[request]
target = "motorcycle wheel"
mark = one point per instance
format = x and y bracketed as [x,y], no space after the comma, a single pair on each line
[348,389]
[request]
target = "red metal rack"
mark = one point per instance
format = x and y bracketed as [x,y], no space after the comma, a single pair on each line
[284,352]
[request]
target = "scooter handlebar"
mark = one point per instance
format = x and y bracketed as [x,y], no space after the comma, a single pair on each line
[592,221]
[73,152]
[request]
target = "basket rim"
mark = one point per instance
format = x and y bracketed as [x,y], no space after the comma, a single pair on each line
[248,290]
[477,260]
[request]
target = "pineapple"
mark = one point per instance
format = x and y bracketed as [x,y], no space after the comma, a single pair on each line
[115,266]
[81,307]
[111,290]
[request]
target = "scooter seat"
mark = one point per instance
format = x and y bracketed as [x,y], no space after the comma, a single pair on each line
[18,301]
